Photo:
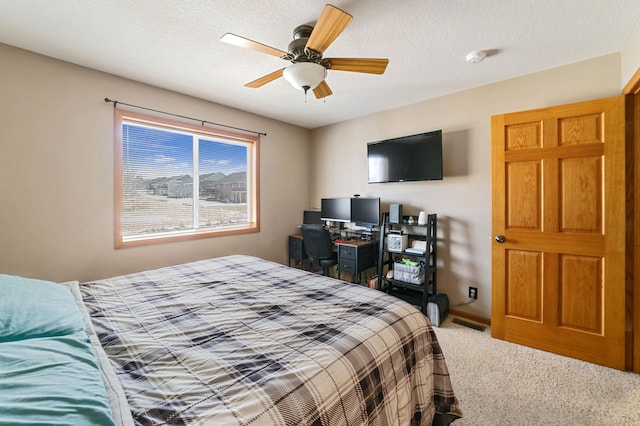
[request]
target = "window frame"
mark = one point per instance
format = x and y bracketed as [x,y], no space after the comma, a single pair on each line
[253,173]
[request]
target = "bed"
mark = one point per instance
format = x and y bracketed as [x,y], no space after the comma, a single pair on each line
[239,340]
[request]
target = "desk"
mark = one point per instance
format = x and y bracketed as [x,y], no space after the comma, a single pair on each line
[355,256]
[297,251]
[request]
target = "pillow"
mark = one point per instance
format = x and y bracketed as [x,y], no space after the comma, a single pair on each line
[31,308]
[74,288]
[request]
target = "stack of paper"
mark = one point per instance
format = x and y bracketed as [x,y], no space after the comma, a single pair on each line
[417,247]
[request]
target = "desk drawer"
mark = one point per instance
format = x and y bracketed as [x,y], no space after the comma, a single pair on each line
[295,243]
[347,266]
[297,255]
[348,252]
[296,249]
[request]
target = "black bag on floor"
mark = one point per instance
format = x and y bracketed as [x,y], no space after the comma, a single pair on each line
[438,308]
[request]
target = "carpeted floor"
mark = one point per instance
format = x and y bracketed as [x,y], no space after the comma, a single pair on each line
[501,383]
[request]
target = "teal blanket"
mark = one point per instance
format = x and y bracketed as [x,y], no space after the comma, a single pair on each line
[49,374]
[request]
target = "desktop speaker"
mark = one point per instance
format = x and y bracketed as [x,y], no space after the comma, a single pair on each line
[395,213]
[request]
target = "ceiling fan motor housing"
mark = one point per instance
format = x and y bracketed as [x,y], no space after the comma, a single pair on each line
[297,48]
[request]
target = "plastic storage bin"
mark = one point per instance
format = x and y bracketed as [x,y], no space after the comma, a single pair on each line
[408,273]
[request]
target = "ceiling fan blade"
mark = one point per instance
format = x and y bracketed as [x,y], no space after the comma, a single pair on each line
[322,90]
[264,79]
[239,41]
[366,65]
[331,23]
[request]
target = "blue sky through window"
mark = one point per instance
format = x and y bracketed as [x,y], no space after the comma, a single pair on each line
[222,157]
[153,153]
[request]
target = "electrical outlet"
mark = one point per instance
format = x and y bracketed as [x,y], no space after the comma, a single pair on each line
[473,292]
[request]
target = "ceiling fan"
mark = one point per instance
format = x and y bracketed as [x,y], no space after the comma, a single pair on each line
[308,68]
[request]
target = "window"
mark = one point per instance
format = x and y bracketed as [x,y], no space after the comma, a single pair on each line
[157,197]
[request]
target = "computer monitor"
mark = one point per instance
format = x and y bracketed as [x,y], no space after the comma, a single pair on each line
[336,209]
[312,217]
[365,211]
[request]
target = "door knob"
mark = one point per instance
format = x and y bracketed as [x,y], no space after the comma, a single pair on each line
[500,238]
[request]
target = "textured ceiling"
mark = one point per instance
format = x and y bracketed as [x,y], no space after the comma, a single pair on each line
[174,44]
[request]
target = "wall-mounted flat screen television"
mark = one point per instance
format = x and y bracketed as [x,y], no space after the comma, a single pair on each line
[335,209]
[408,158]
[365,211]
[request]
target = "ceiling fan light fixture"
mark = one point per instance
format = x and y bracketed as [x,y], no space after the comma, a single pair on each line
[304,75]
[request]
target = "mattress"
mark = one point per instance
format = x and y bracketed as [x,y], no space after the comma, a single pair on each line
[239,340]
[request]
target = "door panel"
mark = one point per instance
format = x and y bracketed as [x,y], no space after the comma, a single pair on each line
[580,285]
[581,195]
[523,136]
[523,195]
[558,180]
[585,129]
[524,285]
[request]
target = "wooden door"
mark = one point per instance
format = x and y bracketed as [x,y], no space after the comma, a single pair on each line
[559,205]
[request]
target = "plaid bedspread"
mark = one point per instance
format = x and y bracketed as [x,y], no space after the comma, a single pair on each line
[239,340]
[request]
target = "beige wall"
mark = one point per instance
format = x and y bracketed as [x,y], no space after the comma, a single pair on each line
[463,199]
[56,173]
[630,56]
[56,169]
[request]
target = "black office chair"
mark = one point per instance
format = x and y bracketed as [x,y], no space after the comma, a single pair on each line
[318,245]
